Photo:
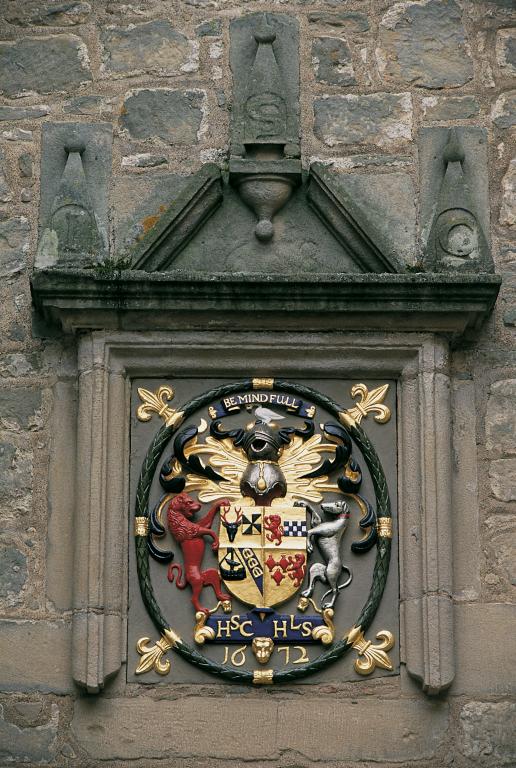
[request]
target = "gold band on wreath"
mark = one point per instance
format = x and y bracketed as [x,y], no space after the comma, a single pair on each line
[384,527]
[263,383]
[141,526]
[263,676]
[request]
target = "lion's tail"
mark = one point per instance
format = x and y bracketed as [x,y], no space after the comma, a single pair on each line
[176,567]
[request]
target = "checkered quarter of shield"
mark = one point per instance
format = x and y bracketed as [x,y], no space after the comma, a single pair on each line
[294,528]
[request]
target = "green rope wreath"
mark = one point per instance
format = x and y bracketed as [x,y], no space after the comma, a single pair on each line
[383,552]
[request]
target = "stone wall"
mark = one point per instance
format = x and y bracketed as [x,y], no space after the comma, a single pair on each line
[373,72]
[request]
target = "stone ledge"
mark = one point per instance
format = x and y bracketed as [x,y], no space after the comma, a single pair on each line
[112,728]
[135,300]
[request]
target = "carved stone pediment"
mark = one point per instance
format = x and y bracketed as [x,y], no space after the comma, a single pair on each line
[321,229]
[330,256]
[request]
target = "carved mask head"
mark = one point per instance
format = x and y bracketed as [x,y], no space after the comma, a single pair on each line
[263,648]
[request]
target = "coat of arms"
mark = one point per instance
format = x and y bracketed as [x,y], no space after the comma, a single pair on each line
[260,480]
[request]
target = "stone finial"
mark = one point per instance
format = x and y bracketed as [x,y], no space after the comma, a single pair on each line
[72,216]
[75,172]
[264,164]
[456,241]
[265,106]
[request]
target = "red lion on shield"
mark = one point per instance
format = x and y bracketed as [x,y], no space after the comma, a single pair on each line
[190,536]
[272,523]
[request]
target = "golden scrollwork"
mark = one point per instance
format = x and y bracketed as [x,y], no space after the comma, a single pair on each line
[371,656]
[152,655]
[384,527]
[157,402]
[263,383]
[141,526]
[201,631]
[323,634]
[369,402]
[263,676]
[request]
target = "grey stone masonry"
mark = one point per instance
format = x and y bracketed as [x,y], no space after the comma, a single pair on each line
[170,115]
[332,61]
[383,119]
[43,65]
[424,43]
[153,87]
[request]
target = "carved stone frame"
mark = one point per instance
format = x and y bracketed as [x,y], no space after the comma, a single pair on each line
[107,363]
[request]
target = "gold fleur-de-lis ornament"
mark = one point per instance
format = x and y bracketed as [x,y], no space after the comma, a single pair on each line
[157,402]
[369,402]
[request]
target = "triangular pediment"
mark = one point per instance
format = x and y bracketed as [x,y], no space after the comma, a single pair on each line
[321,230]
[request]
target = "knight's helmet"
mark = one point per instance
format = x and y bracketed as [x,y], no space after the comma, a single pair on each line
[263,479]
[262,443]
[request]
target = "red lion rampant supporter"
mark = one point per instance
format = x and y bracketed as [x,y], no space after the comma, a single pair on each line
[190,536]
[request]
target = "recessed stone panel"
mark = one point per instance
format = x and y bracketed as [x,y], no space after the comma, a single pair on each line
[280,588]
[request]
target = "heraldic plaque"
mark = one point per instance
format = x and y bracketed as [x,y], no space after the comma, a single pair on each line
[263,531]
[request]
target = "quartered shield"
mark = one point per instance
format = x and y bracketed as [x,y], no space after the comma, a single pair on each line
[265,564]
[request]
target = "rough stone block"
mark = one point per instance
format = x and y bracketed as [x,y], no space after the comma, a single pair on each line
[503,113]
[83,105]
[382,119]
[17,134]
[5,189]
[152,47]
[13,574]
[24,113]
[61,14]
[25,165]
[332,62]
[35,745]
[390,199]
[449,107]
[484,641]
[138,204]
[15,471]
[501,418]
[507,216]
[500,550]
[19,406]
[351,21]
[489,733]
[424,44]
[506,51]
[43,65]
[211,28]
[14,245]
[44,665]
[174,116]
[502,476]
[19,364]
[111,729]
[143,160]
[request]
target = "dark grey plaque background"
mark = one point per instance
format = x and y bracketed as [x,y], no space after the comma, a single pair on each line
[175,604]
